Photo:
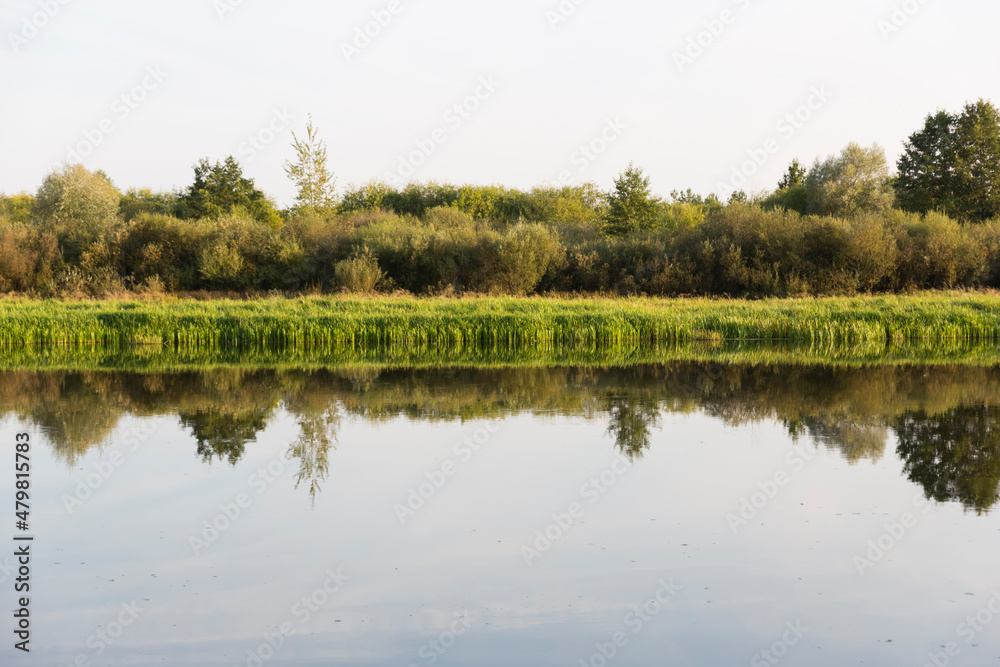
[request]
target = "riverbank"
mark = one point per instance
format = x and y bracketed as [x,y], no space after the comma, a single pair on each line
[487,323]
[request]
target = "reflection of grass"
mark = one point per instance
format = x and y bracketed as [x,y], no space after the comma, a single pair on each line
[160,358]
[525,326]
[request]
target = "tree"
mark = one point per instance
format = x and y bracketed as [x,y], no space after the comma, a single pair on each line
[631,206]
[221,189]
[977,162]
[78,206]
[855,182]
[309,172]
[953,165]
[17,209]
[796,175]
[926,180]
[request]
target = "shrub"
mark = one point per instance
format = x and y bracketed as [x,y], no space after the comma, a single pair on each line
[222,266]
[359,274]
[872,255]
[445,217]
[136,202]
[28,259]
[937,252]
[523,256]
[17,209]
[162,247]
[792,198]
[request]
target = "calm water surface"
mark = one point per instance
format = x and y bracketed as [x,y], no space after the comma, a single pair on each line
[682,514]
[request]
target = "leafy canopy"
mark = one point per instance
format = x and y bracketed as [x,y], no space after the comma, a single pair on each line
[221,189]
[952,165]
[631,206]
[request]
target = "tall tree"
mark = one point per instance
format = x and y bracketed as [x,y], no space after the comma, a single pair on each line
[977,162]
[222,189]
[953,164]
[309,172]
[631,206]
[926,180]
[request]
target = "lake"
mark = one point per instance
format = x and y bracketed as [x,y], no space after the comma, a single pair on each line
[684,513]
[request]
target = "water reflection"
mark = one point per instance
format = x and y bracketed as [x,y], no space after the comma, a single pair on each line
[943,419]
[954,454]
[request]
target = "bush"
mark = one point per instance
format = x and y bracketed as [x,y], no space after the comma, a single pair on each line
[28,259]
[222,266]
[161,247]
[792,198]
[136,202]
[78,206]
[937,252]
[446,217]
[523,256]
[17,209]
[359,274]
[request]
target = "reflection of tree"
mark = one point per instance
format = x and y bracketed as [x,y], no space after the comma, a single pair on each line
[630,421]
[854,440]
[955,454]
[318,432]
[224,435]
[75,416]
[851,409]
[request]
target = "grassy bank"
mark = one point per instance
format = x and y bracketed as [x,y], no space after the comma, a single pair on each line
[493,324]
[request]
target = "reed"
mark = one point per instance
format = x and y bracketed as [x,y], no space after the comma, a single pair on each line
[485,324]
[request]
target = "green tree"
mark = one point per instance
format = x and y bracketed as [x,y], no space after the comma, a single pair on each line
[78,206]
[977,162]
[309,172]
[952,165]
[631,206]
[926,179]
[796,175]
[18,208]
[853,183]
[135,202]
[221,189]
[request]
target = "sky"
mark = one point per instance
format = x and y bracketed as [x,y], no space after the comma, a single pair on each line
[713,96]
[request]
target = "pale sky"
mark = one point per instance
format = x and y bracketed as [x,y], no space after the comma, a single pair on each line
[170,83]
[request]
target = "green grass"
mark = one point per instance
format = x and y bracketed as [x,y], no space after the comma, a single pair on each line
[352,325]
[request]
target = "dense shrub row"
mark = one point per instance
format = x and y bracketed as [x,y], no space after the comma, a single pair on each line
[823,232]
[739,249]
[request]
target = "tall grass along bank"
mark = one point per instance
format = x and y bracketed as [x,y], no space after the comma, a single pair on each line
[512,324]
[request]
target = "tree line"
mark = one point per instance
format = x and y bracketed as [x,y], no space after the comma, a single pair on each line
[844,225]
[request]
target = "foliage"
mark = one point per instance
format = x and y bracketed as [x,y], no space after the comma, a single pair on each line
[791,198]
[926,179]
[314,182]
[359,274]
[952,165]
[631,206]
[135,202]
[796,175]
[851,184]
[78,206]
[18,209]
[221,189]
[977,164]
